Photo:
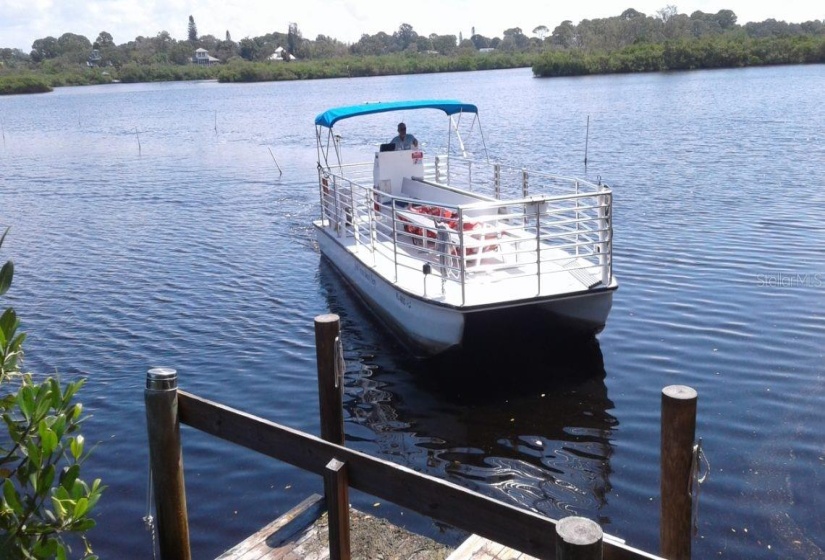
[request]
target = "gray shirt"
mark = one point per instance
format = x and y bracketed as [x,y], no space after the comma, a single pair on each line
[408,143]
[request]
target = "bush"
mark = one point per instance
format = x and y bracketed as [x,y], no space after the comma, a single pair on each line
[706,52]
[23,83]
[365,66]
[45,506]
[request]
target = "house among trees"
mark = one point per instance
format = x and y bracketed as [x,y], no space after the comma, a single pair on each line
[202,57]
[281,54]
[94,59]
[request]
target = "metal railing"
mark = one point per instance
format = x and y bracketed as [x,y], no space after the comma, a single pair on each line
[551,224]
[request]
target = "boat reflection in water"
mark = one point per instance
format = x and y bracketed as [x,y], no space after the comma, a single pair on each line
[524,420]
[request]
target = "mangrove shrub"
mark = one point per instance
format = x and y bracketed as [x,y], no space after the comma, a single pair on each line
[45,509]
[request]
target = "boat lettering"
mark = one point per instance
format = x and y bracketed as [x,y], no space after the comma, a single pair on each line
[365,274]
[404,300]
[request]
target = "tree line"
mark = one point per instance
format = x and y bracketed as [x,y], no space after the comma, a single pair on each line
[631,41]
[634,42]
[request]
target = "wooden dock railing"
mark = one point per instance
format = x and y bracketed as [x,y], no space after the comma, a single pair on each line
[342,468]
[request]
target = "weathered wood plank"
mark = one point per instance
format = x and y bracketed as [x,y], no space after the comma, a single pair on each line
[477,547]
[510,554]
[452,504]
[330,388]
[166,462]
[469,547]
[336,491]
[678,436]
[273,535]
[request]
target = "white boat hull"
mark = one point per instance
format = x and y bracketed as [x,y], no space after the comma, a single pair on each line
[432,328]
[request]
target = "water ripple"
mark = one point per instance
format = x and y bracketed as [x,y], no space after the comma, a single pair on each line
[143,238]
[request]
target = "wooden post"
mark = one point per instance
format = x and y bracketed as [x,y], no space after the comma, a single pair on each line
[166,462]
[578,538]
[336,492]
[330,389]
[678,434]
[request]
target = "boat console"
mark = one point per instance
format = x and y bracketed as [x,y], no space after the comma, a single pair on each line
[390,168]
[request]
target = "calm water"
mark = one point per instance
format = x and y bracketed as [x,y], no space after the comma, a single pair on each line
[150,227]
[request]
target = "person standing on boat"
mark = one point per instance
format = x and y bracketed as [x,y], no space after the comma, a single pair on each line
[404,141]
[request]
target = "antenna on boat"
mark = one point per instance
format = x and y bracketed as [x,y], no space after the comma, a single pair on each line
[336,140]
[458,135]
[586,141]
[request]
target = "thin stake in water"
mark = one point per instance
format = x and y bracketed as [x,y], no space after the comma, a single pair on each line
[216,121]
[276,162]
[586,141]
[138,140]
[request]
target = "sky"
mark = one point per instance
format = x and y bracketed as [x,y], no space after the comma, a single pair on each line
[24,21]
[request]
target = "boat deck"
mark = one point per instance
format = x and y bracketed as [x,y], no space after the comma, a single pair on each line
[490,277]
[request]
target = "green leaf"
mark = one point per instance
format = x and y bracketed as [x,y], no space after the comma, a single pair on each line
[61,493]
[76,446]
[59,508]
[25,401]
[79,489]
[54,392]
[33,453]
[6,274]
[42,428]
[68,478]
[95,493]
[45,549]
[49,441]
[71,390]
[9,322]
[84,524]
[42,401]
[48,477]
[77,410]
[59,426]
[10,497]
[81,507]
[96,487]
[17,342]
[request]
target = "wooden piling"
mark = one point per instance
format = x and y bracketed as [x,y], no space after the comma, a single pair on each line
[678,435]
[336,491]
[166,463]
[578,538]
[330,388]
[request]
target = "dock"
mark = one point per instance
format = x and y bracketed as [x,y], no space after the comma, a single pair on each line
[327,526]
[303,533]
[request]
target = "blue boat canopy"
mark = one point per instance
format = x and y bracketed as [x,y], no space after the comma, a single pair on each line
[449,106]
